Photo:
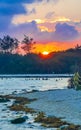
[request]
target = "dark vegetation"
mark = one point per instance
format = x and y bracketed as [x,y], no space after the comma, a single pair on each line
[54,122]
[49,121]
[68,61]
[19,103]
[19,107]
[60,62]
[28,44]
[8,44]
[75,81]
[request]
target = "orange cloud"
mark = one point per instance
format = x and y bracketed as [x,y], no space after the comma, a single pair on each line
[43,28]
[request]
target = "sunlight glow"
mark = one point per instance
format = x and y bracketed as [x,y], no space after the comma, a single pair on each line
[43,28]
[45,53]
[60,19]
[39,21]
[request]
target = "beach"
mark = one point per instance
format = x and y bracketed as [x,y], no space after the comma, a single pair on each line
[29,97]
[59,103]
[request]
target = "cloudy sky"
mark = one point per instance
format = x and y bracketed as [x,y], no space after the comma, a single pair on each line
[54,24]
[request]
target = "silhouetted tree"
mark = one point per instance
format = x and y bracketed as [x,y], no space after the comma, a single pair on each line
[28,44]
[77,47]
[8,44]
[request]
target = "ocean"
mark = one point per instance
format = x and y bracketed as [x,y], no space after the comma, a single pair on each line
[22,85]
[9,85]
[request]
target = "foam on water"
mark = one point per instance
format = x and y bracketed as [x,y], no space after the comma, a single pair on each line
[6,116]
[8,85]
[19,85]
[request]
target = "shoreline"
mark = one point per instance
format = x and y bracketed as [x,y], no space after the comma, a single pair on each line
[48,102]
[63,103]
[53,105]
[36,75]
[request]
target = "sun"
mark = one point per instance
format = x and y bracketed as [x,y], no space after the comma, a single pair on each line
[45,52]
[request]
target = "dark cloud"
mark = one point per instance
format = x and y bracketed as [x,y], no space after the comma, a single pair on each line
[9,8]
[65,32]
[28,28]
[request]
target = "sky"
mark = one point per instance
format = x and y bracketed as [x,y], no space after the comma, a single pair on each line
[54,24]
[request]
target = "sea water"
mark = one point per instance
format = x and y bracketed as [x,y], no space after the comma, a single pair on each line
[9,85]
[20,85]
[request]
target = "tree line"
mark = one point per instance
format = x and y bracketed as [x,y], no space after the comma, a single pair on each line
[9,44]
[68,61]
[61,62]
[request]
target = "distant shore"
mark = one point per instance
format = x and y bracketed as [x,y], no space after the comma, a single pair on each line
[36,75]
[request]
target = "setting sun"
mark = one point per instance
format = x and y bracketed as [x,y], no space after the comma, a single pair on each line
[45,53]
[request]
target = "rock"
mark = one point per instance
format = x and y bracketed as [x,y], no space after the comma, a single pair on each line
[19,120]
[25,117]
[2,100]
[4,109]
[14,92]
[34,90]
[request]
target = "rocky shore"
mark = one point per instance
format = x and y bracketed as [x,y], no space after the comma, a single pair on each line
[49,107]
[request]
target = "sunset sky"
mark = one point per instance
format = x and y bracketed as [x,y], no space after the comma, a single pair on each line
[54,24]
